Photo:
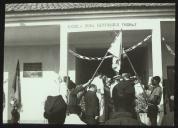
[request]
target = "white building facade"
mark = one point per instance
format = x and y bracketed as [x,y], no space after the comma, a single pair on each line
[44,33]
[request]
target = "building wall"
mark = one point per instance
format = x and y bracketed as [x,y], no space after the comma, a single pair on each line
[168,32]
[168,59]
[49,56]
[38,87]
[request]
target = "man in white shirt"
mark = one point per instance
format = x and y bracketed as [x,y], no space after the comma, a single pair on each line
[98,81]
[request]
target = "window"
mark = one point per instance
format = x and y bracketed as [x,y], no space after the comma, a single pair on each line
[32,70]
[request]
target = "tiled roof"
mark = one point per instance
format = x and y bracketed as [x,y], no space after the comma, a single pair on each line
[70,6]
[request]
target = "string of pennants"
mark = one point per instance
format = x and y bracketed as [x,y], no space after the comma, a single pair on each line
[127,50]
[169,48]
[89,58]
[109,56]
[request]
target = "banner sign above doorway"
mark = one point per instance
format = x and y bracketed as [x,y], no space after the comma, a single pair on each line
[102,25]
[116,24]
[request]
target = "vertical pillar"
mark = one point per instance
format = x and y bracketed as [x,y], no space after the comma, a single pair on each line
[72,64]
[156,50]
[63,69]
[157,59]
[5,89]
[63,51]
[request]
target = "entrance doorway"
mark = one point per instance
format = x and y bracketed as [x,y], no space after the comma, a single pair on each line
[96,43]
[139,60]
[86,68]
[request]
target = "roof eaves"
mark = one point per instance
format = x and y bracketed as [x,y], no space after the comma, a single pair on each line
[31,7]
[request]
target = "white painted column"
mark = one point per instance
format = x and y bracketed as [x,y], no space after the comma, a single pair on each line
[63,69]
[5,89]
[156,50]
[63,51]
[157,58]
[72,64]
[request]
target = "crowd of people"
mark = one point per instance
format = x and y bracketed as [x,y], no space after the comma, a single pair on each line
[103,100]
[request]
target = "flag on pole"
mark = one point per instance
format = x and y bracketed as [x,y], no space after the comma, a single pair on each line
[17,88]
[116,47]
[116,50]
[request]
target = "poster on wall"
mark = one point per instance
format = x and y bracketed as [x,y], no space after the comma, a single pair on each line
[32,70]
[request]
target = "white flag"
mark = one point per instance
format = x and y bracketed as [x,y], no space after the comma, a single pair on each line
[116,50]
[116,47]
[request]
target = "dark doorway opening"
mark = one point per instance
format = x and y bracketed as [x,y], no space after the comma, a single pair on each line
[139,60]
[85,68]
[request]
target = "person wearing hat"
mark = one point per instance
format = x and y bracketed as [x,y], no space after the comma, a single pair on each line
[123,96]
[154,100]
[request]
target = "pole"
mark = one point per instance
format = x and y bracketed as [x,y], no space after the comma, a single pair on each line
[98,67]
[137,78]
[100,63]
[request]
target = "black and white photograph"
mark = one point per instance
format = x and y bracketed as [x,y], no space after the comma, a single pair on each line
[89,64]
